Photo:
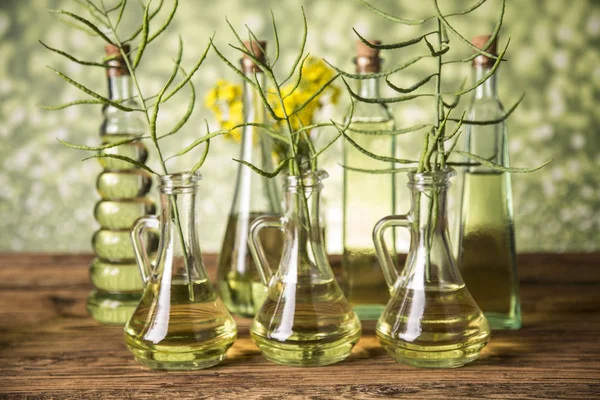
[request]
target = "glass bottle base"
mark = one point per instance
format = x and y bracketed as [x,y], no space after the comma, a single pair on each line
[431,357]
[168,360]
[294,355]
[111,308]
[503,322]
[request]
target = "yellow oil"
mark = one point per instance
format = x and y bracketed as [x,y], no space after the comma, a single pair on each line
[434,327]
[488,255]
[180,329]
[238,281]
[308,323]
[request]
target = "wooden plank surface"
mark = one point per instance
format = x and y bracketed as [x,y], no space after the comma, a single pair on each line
[51,349]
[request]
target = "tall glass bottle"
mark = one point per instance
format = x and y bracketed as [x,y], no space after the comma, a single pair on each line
[123,189]
[180,323]
[486,247]
[305,320]
[367,198]
[255,195]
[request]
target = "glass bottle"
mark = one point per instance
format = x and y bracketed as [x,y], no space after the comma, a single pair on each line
[255,195]
[305,320]
[431,320]
[123,189]
[486,247]
[373,195]
[180,323]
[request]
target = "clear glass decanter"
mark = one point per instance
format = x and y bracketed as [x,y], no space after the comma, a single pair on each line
[373,195]
[431,320]
[238,281]
[123,189]
[305,320]
[486,247]
[180,323]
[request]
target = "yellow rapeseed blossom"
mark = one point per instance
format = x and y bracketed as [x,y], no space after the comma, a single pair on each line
[225,98]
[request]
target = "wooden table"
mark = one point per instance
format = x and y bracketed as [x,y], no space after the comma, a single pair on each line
[51,349]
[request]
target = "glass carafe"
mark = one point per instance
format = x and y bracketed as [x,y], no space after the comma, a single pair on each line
[305,319]
[431,320]
[180,323]
[255,195]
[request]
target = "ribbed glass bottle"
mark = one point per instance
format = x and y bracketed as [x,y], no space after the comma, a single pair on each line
[367,198]
[486,247]
[237,280]
[122,189]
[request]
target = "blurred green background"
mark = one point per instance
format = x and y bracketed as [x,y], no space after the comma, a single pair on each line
[47,194]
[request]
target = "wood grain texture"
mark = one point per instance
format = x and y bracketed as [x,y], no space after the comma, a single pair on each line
[51,349]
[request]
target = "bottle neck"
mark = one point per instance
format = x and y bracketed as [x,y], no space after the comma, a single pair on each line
[368,88]
[487,90]
[120,87]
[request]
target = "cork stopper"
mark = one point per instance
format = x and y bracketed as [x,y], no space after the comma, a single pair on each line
[256,48]
[115,60]
[367,58]
[479,42]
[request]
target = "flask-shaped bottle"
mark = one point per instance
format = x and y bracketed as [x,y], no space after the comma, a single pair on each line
[486,246]
[123,189]
[237,278]
[305,320]
[180,323]
[431,320]
[367,198]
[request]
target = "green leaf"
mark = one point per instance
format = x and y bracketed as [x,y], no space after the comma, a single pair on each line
[123,158]
[144,40]
[198,142]
[456,127]
[139,29]
[276,38]
[315,95]
[378,74]
[378,171]
[92,93]
[299,79]
[230,65]
[121,7]
[391,132]
[167,22]
[259,171]
[70,104]
[434,52]
[70,57]
[368,153]
[496,120]
[399,20]
[479,51]
[411,88]
[379,100]
[203,157]
[487,75]
[100,148]
[154,115]
[302,46]
[262,95]
[188,112]
[499,167]
[84,21]
[189,76]
[391,46]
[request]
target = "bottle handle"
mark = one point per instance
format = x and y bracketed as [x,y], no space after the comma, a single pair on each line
[383,256]
[141,256]
[256,248]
